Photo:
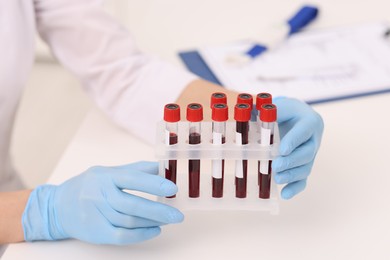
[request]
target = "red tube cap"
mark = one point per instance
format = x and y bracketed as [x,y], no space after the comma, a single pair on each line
[220,113]
[172,113]
[218,98]
[242,112]
[194,112]
[245,98]
[268,113]
[263,98]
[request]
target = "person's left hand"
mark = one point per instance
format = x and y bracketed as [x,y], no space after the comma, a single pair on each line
[301,130]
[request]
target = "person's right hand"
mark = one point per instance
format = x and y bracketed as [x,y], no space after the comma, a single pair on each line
[301,131]
[94,208]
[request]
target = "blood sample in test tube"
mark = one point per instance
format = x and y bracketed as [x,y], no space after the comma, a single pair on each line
[261,99]
[171,118]
[219,116]
[245,98]
[268,115]
[194,116]
[218,98]
[242,115]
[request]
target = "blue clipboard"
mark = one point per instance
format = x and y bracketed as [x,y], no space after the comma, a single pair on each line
[195,63]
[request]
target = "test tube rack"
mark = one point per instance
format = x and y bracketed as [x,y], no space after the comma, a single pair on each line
[206,151]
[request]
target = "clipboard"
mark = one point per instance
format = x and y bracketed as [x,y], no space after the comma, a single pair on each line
[197,64]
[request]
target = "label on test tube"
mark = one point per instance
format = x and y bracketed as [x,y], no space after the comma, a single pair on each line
[265,141]
[265,137]
[239,169]
[217,138]
[217,169]
[217,164]
[239,164]
[238,138]
[167,137]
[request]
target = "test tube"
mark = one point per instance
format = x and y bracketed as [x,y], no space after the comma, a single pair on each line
[219,116]
[242,115]
[245,98]
[171,117]
[218,98]
[261,99]
[194,116]
[268,115]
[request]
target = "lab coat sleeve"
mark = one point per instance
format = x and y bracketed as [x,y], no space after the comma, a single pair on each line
[130,86]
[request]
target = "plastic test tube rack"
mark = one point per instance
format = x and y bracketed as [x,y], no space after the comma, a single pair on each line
[206,151]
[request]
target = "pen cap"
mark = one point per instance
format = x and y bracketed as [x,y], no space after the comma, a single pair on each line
[263,98]
[245,98]
[172,113]
[194,112]
[218,98]
[268,113]
[242,112]
[220,113]
[302,18]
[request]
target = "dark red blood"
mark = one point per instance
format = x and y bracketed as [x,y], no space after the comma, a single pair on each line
[194,170]
[243,128]
[218,183]
[170,173]
[241,183]
[264,180]
[217,188]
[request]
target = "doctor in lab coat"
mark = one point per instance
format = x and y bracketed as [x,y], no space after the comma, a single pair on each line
[116,75]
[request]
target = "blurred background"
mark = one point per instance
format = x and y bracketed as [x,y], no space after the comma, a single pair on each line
[54,105]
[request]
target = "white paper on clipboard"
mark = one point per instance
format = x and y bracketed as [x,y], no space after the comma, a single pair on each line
[312,65]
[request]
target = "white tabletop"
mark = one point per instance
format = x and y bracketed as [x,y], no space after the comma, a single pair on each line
[343,214]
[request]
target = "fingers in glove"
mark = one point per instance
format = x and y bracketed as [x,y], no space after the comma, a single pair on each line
[143,166]
[140,207]
[124,236]
[132,179]
[300,156]
[292,189]
[118,219]
[294,174]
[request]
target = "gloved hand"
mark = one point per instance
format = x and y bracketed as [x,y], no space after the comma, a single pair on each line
[94,208]
[301,131]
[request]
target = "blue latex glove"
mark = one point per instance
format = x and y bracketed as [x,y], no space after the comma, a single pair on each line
[94,208]
[301,131]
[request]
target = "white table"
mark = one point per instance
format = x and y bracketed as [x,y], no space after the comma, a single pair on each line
[343,214]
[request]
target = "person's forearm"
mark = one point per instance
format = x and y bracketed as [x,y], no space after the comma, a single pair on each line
[199,91]
[12,205]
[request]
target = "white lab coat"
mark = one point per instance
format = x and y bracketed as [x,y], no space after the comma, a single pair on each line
[131,87]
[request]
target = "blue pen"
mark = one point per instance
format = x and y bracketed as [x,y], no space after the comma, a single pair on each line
[301,19]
